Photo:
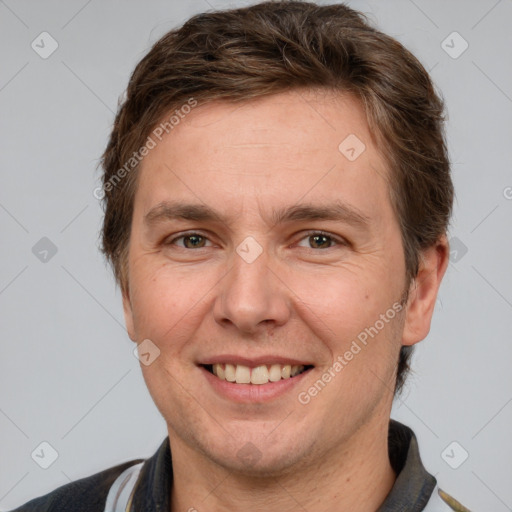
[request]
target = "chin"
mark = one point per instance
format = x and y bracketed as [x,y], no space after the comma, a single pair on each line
[258,456]
[255,463]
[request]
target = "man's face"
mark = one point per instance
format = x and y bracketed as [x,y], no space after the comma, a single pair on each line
[268,279]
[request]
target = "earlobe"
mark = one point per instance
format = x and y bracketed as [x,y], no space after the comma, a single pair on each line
[423,292]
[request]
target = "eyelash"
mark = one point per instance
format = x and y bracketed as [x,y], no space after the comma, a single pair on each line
[333,239]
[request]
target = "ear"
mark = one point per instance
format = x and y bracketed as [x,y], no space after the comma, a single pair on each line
[128,315]
[423,292]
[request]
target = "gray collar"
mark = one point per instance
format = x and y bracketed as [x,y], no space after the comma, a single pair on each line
[413,485]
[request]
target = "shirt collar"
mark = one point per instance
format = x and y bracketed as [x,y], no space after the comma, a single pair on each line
[410,492]
[414,485]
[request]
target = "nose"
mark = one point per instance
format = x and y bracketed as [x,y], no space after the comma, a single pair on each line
[252,297]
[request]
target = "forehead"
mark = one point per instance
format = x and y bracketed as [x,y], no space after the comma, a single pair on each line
[311,119]
[273,149]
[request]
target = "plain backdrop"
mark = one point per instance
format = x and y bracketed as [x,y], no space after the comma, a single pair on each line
[68,376]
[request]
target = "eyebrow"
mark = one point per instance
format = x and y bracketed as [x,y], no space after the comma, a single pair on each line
[336,211]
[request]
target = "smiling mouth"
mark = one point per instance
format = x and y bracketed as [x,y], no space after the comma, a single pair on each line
[263,374]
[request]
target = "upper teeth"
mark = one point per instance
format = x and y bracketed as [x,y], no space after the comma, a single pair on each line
[259,375]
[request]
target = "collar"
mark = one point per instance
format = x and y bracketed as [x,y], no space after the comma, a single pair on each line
[414,485]
[411,491]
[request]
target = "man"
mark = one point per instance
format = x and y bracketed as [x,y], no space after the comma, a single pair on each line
[277,194]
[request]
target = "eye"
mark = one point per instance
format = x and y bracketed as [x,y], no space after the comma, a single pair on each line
[189,241]
[321,240]
[314,239]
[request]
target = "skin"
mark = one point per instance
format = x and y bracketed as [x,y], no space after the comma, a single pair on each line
[304,298]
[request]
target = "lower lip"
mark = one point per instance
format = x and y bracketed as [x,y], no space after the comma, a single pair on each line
[253,393]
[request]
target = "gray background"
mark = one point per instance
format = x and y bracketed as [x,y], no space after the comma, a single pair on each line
[67,372]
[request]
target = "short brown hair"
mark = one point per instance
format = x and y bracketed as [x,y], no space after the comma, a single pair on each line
[240,54]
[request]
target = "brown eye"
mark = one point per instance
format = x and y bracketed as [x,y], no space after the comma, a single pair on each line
[189,241]
[319,240]
[193,241]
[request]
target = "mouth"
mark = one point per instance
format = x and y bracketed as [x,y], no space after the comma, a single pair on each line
[257,375]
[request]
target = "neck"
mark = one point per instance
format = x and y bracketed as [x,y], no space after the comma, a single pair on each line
[355,477]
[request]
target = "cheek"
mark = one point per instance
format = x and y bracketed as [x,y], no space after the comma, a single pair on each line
[166,304]
[342,301]
[367,359]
